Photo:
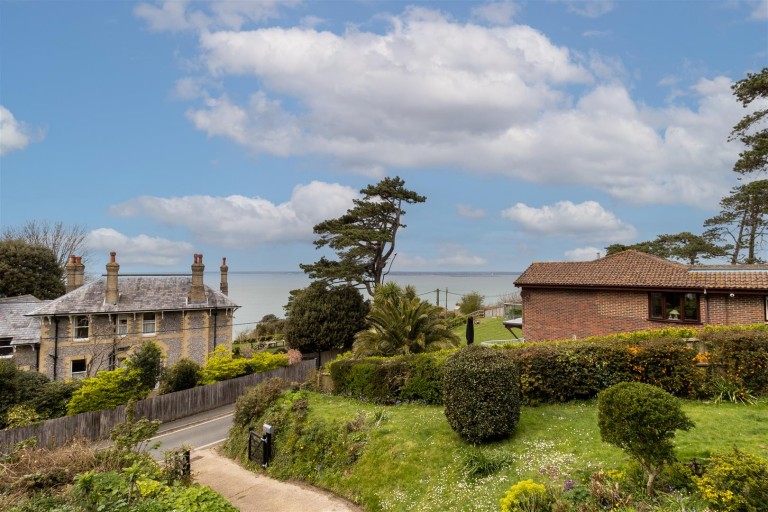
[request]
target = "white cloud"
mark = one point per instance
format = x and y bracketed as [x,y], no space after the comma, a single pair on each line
[584,254]
[141,249]
[590,8]
[451,256]
[470,213]
[238,221]
[179,15]
[759,10]
[587,220]
[14,134]
[481,99]
[498,13]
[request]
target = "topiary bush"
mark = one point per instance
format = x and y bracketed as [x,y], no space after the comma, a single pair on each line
[481,394]
[641,420]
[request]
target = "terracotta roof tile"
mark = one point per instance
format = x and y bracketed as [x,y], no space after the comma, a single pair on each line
[634,269]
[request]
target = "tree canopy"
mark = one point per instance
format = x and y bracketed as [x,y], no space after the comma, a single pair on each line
[686,247]
[323,318]
[742,222]
[29,269]
[752,130]
[364,237]
[63,240]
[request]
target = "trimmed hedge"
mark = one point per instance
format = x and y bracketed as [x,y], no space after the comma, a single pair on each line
[388,380]
[570,370]
[564,371]
[740,353]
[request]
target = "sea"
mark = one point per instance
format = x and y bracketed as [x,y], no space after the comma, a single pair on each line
[263,293]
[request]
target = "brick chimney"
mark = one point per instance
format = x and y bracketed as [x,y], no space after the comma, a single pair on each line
[112,294]
[71,268]
[197,292]
[224,287]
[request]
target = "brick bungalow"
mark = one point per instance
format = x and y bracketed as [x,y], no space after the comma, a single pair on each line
[631,291]
[95,325]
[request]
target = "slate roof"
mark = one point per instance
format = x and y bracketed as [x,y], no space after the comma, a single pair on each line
[635,269]
[22,330]
[137,293]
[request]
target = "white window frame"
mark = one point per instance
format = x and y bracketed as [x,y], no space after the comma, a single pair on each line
[80,374]
[76,334]
[122,325]
[766,308]
[145,324]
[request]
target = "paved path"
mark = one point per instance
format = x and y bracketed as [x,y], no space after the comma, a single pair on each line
[251,492]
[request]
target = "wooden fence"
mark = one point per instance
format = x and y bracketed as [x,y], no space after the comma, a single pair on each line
[97,425]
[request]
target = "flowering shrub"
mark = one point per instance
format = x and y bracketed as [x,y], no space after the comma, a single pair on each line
[526,496]
[564,371]
[223,365]
[735,482]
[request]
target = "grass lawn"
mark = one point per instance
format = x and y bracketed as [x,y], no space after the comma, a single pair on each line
[488,329]
[413,460]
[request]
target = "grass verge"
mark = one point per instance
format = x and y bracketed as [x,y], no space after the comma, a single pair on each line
[413,461]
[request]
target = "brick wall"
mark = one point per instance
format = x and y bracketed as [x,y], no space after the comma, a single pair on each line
[564,314]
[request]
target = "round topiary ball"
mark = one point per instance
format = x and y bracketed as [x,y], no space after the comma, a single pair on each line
[481,393]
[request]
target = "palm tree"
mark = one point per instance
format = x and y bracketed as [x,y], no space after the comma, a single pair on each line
[400,323]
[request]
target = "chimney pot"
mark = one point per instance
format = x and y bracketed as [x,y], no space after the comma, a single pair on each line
[197,290]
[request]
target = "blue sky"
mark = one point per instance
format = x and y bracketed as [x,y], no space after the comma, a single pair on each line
[538,130]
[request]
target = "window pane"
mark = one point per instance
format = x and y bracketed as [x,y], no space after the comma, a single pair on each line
[149,323]
[691,306]
[656,306]
[122,326]
[81,327]
[77,368]
[672,304]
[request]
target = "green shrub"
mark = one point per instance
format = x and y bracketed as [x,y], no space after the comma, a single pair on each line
[31,385]
[252,404]
[183,374]
[481,394]
[574,370]
[641,419]
[222,365]
[735,482]
[22,416]
[52,400]
[739,353]
[414,377]
[264,361]
[106,390]
[147,360]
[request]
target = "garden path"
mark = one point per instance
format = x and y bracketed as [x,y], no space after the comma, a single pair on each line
[251,492]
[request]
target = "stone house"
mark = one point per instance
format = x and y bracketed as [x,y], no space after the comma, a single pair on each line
[95,325]
[20,334]
[632,291]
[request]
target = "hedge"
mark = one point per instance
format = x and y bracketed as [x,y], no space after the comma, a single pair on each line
[567,370]
[388,380]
